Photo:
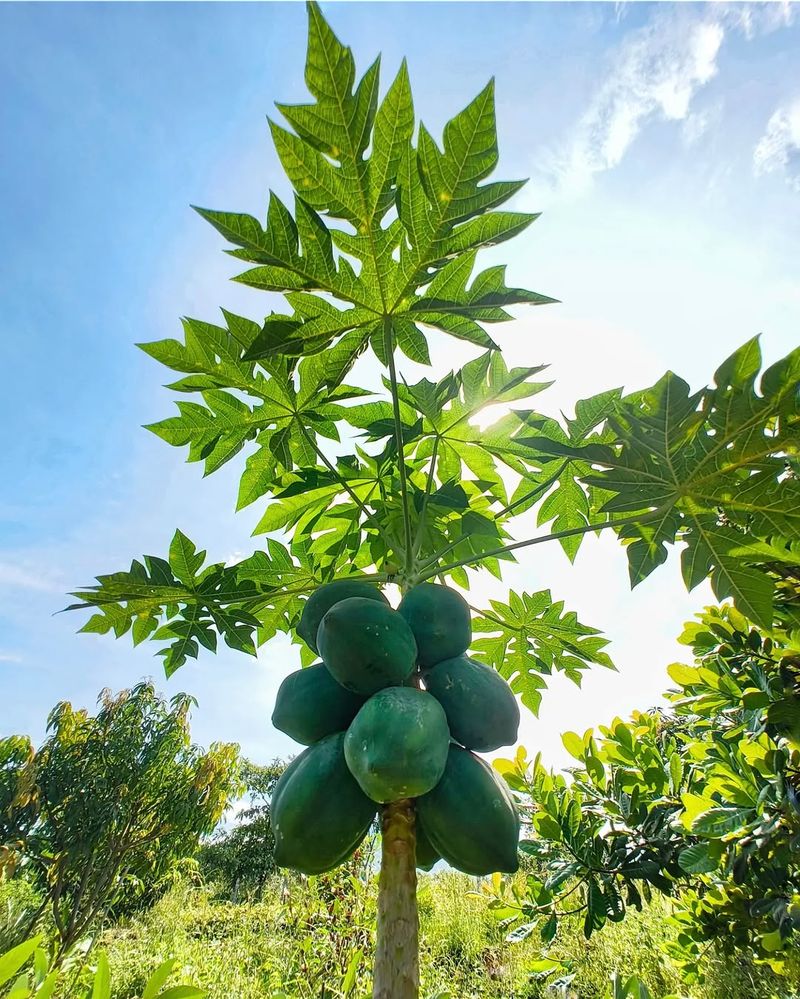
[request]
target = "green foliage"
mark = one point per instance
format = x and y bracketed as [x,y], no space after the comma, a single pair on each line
[702,802]
[388,227]
[532,635]
[308,937]
[677,459]
[427,483]
[178,602]
[18,809]
[306,933]
[602,838]
[239,860]
[741,708]
[109,804]
[43,981]
[22,905]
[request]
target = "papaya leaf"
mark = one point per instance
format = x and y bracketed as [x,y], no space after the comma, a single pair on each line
[530,637]
[708,469]
[188,607]
[292,411]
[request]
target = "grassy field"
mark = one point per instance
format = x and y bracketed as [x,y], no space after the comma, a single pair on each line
[313,939]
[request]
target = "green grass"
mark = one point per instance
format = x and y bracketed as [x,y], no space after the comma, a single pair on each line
[303,942]
[313,939]
[19,901]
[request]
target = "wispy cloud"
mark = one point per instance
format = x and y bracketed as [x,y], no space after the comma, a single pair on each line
[758,19]
[10,657]
[778,149]
[658,69]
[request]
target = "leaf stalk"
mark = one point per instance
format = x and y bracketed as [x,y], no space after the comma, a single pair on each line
[388,341]
[555,536]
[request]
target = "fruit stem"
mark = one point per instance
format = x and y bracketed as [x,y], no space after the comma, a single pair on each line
[397,955]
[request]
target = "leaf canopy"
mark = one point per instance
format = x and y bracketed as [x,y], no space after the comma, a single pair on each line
[378,252]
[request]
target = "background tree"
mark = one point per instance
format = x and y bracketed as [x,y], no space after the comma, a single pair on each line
[379,250]
[241,858]
[18,809]
[700,801]
[109,803]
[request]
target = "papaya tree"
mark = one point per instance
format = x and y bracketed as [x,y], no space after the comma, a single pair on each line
[368,490]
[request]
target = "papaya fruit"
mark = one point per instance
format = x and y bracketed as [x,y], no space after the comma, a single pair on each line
[482,712]
[439,618]
[281,783]
[324,597]
[311,704]
[426,855]
[319,814]
[366,645]
[470,817]
[396,746]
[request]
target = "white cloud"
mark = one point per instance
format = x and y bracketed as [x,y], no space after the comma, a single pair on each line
[657,71]
[778,149]
[10,657]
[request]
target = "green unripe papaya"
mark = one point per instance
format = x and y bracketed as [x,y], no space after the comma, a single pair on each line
[470,817]
[318,812]
[311,704]
[426,855]
[366,645]
[283,780]
[397,745]
[324,597]
[439,618]
[482,712]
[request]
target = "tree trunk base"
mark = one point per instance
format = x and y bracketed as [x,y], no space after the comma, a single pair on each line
[397,954]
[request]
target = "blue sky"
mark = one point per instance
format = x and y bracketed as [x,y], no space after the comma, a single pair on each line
[663,146]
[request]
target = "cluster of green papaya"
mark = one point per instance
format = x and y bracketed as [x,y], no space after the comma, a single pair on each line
[394,711]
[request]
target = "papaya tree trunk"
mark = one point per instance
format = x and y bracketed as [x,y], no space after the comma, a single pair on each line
[397,954]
